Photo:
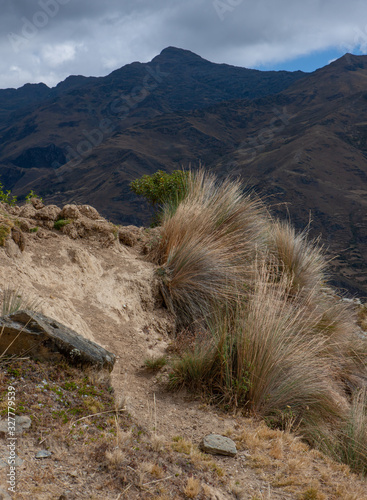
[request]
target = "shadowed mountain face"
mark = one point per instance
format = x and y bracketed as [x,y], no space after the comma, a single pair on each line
[299,139]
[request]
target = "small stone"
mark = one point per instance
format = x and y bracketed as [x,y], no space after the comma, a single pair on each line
[218,445]
[43,454]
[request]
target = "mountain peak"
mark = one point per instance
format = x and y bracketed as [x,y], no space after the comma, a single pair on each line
[350,62]
[172,54]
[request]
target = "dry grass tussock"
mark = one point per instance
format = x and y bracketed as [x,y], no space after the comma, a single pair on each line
[274,338]
[299,258]
[208,244]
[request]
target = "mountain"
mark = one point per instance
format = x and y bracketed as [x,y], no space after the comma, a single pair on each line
[300,140]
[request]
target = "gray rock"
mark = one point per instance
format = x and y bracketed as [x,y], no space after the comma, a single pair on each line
[218,445]
[21,423]
[43,454]
[44,339]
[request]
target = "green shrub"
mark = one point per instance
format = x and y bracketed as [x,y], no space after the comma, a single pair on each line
[155,364]
[61,223]
[31,195]
[160,187]
[6,196]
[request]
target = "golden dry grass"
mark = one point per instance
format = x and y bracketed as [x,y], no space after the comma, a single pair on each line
[275,339]
[207,246]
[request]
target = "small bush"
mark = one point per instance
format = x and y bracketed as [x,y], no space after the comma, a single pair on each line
[59,224]
[6,196]
[160,187]
[193,488]
[31,195]
[155,364]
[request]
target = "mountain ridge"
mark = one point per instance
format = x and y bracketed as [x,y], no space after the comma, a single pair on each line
[300,140]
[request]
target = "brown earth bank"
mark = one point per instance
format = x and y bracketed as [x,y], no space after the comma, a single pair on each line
[137,440]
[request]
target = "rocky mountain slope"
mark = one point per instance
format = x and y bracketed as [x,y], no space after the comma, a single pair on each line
[92,276]
[298,139]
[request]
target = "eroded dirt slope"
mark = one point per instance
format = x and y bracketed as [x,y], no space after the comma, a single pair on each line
[93,277]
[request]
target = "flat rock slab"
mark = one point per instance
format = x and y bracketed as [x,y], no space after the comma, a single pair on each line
[218,445]
[33,334]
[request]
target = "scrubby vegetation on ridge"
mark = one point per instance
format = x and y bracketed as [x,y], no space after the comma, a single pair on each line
[271,337]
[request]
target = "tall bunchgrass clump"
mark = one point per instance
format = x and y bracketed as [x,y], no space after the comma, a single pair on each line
[298,257]
[263,355]
[352,443]
[208,245]
[271,336]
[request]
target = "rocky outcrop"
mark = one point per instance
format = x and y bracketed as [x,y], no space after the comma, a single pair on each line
[42,338]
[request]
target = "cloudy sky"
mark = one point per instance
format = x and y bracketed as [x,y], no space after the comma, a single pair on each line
[47,40]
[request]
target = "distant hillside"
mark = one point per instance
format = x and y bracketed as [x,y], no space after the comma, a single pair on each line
[299,139]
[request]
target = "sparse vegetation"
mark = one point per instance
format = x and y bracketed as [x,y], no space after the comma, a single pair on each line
[4,233]
[6,196]
[59,224]
[31,195]
[155,364]
[13,300]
